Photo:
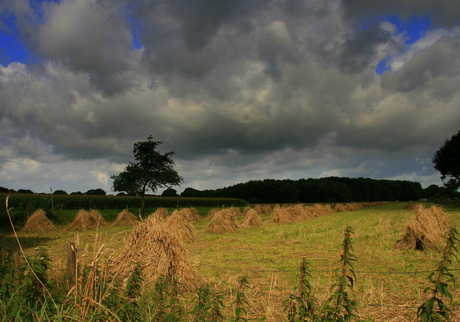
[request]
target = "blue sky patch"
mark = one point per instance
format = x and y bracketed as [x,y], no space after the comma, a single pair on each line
[413,28]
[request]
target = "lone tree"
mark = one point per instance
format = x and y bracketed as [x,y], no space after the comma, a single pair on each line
[447,161]
[152,170]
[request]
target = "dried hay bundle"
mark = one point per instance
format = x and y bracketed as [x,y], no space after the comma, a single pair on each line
[426,230]
[301,212]
[356,206]
[86,221]
[351,206]
[212,212]
[321,210]
[251,219]
[160,251]
[181,222]
[125,218]
[340,207]
[161,212]
[38,223]
[191,214]
[235,210]
[263,209]
[223,221]
[283,215]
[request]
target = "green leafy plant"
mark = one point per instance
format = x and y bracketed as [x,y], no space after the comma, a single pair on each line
[434,309]
[301,306]
[241,302]
[340,306]
[208,305]
[130,310]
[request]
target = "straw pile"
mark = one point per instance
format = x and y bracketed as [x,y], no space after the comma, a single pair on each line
[352,206]
[236,211]
[286,214]
[426,230]
[159,215]
[212,212]
[322,210]
[125,218]
[181,221]
[38,223]
[223,221]
[160,251]
[263,209]
[251,219]
[86,221]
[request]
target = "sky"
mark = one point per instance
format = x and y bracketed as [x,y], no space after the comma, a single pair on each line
[240,90]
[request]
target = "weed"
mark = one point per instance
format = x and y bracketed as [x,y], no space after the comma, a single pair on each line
[208,306]
[241,302]
[435,309]
[340,306]
[301,306]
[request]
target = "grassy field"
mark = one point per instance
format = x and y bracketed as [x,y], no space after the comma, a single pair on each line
[389,286]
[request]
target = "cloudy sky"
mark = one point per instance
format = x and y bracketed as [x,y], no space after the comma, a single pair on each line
[239,89]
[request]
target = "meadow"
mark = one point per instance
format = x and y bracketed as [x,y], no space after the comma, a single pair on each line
[252,274]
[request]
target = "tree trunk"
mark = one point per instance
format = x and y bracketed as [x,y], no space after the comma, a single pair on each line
[142,204]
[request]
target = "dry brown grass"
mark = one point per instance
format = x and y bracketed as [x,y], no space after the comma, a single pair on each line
[38,223]
[160,251]
[426,230]
[251,219]
[223,221]
[125,218]
[86,221]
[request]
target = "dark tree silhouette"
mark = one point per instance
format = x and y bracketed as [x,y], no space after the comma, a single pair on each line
[447,161]
[152,170]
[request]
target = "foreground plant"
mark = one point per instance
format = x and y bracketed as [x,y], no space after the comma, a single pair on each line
[435,309]
[340,306]
[209,306]
[301,306]
[241,302]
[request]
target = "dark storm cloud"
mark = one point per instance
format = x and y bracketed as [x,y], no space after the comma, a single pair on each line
[201,19]
[360,50]
[240,90]
[90,36]
[442,59]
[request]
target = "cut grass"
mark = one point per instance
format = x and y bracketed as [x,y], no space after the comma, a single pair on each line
[389,285]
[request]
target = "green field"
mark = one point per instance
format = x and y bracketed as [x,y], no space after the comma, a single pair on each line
[389,285]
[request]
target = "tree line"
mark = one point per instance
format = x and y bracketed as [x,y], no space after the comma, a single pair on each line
[322,190]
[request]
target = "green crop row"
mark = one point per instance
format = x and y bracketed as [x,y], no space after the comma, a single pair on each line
[23,205]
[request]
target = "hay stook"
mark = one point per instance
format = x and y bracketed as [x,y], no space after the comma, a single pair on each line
[251,219]
[38,223]
[125,218]
[160,251]
[223,221]
[85,220]
[426,230]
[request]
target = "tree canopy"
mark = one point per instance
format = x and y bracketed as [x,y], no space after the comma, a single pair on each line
[447,161]
[151,171]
